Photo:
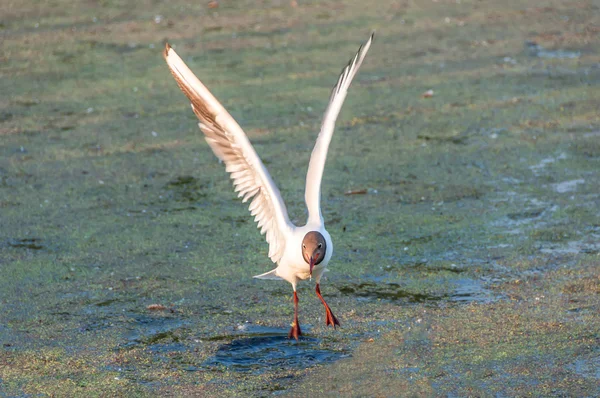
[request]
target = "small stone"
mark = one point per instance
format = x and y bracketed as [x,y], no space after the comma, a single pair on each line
[156,307]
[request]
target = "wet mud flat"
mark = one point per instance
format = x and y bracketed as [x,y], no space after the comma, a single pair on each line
[461,192]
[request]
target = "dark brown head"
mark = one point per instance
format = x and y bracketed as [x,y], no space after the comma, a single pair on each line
[314,248]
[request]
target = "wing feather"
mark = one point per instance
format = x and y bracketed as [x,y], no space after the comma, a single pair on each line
[231,145]
[312,194]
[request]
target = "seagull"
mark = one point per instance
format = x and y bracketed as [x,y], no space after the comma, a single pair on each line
[299,252]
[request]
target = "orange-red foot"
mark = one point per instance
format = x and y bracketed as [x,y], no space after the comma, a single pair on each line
[295,331]
[330,319]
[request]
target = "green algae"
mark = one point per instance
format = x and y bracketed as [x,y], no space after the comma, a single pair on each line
[110,201]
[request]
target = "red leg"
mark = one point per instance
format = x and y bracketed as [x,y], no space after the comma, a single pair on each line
[295,330]
[330,318]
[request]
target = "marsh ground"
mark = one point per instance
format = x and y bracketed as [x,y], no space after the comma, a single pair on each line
[470,266]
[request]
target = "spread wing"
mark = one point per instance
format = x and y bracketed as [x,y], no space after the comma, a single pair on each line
[231,145]
[312,195]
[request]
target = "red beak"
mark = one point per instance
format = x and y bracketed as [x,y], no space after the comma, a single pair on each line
[311,264]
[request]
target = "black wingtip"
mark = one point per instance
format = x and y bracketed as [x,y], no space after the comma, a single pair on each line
[371,38]
[166,51]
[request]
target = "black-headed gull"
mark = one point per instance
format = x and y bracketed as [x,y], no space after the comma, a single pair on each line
[299,252]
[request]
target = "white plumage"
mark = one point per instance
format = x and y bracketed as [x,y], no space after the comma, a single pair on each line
[252,180]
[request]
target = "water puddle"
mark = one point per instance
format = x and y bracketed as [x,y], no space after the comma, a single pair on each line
[572,247]
[185,189]
[588,368]
[532,212]
[28,243]
[592,134]
[526,214]
[148,330]
[386,291]
[263,349]
[469,291]
[535,50]
[463,290]
[567,186]
[538,168]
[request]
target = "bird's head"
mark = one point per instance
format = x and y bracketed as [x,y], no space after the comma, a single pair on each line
[314,248]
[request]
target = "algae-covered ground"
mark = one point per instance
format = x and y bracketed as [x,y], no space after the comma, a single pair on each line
[469,266]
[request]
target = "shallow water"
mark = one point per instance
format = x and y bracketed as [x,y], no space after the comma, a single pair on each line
[262,349]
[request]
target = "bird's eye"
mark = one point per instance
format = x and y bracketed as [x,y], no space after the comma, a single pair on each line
[320,245]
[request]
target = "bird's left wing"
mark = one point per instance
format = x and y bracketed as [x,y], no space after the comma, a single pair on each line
[312,193]
[231,145]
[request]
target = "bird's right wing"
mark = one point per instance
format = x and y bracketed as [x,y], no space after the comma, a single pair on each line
[229,142]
